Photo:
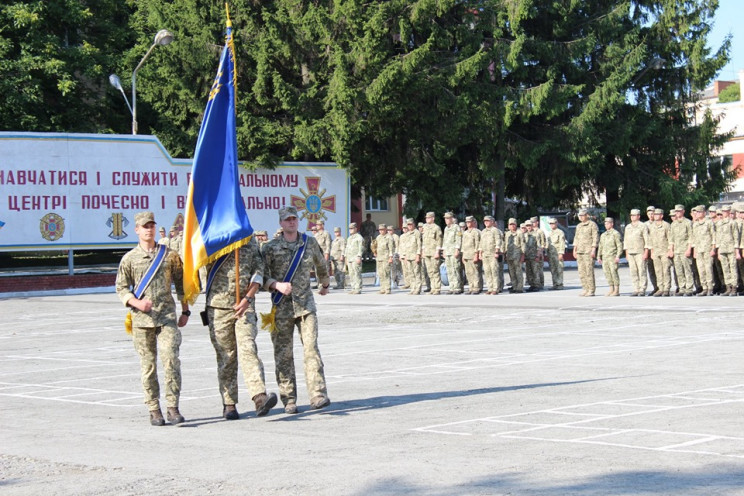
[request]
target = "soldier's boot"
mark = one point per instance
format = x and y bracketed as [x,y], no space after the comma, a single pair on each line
[658,293]
[264,402]
[666,293]
[229,412]
[611,292]
[583,293]
[156,417]
[174,416]
[726,293]
[617,291]
[732,290]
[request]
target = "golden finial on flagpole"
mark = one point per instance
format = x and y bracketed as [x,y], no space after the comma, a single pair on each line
[227,11]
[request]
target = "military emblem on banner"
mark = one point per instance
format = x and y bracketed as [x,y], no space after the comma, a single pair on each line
[52,227]
[313,205]
[117,222]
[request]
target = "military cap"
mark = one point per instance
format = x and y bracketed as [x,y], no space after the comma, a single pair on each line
[650,208]
[430,214]
[390,227]
[420,224]
[726,208]
[321,222]
[261,233]
[552,220]
[658,211]
[609,219]
[353,225]
[635,211]
[679,207]
[489,217]
[737,207]
[461,224]
[448,214]
[381,226]
[583,211]
[512,220]
[287,212]
[336,229]
[142,218]
[697,208]
[534,219]
[410,220]
[672,213]
[162,229]
[712,208]
[469,218]
[279,231]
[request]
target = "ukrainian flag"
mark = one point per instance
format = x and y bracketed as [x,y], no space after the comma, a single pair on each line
[215,222]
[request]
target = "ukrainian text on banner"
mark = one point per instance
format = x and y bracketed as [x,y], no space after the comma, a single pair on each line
[81,191]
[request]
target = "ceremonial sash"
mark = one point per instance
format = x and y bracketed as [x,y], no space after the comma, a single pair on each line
[141,287]
[268,321]
[210,278]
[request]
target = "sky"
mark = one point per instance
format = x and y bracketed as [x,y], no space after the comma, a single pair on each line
[729,16]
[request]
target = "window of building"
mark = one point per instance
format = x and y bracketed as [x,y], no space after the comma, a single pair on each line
[374,204]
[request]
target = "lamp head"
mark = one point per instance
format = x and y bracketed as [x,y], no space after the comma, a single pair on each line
[164,37]
[115,82]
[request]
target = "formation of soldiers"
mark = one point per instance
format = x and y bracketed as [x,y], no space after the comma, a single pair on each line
[699,256]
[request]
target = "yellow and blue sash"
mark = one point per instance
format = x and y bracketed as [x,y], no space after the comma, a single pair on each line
[139,290]
[268,320]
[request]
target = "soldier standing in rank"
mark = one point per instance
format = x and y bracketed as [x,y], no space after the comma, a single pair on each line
[532,263]
[154,327]
[661,252]
[296,310]
[470,248]
[491,243]
[727,245]
[384,254]
[650,261]
[431,246]
[681,233]
[353,255]
[163,237]
[556,250]
[715,215]
[233,329]
[451,244]
[738,209]
[636,245]
[368,229]
[609,252]
[586,239]
[338,248]
[704,248]
[542,248]
[410,255]
[514,249]
[323,238]
[403,266]
[396,268]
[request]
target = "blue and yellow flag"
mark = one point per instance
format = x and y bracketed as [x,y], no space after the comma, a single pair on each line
[215,219]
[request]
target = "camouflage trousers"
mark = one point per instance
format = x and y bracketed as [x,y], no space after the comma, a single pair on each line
[663,269]
[556,270]
[651,273]
[354,270]
[234,341]
[453,273]
[473,274]
[339,273]
[704,263]
[683,268]
[432,270]
[609,266]
[414,270]
[491,266]
[406,270]
[533,268]
[637,266]
[166,340]
[515,274]
[730,271]
[384,272]
[585,264]
[397,270]
[283,340]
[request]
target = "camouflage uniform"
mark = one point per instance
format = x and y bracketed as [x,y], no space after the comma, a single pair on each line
[727,242]
[532,265]
[470,248]
[397,270]
[338,249]
[703,242]
[431,244]
[451,245]
[586,239]
[609,251]
[324,240]
[354,252]
[234,339]
[542,248]
[650,261]
[635,244]
[681,234]
[385,252]
[514,249]
[556,247]
[661,243]
[155,331]
[296,310]
[491,242]
[410,253]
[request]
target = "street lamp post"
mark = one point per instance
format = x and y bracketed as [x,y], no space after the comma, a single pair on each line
[164,37]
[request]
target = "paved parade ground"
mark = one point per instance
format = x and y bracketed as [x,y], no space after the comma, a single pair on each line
[537,393]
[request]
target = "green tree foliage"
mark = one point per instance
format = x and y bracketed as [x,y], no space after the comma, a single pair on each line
[54,60]
[731,93]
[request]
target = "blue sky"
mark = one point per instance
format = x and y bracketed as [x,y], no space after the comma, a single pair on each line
[729,16]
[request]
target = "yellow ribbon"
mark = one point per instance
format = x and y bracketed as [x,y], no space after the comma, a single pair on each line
[268,320]
[128,323]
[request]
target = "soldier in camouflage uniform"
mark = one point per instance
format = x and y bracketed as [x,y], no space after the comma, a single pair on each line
[451,244]
[154,327]
[681,231]
[431,246]
[586,239]
[715,215]
[542,248]
[650,261]
[738,208]
[556,250]
[233,329]
[404,266]
[470,248]
[296,310]
[491,243]
[338,249]
[514,249]
[410,255]
[385,249]
[636,247]
[353,255]
[532,263]
[727,246]
[704,248]
[661,252]
[609,252]
[323,238]
[396,269]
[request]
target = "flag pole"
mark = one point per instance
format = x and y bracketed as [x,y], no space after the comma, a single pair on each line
[237,276]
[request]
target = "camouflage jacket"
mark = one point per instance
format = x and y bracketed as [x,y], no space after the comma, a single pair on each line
[610,246]
[703,235]
[451,239]
[530,245]
[727,236]
[324,240]
[354,247]
[586,237]
[660,238]
[636,238]
[491,242]
[470,243]
[222,291]
[338,248]
[556,242]
[681,235]
[514,244]
[410,245]
[385,247]
[431,240]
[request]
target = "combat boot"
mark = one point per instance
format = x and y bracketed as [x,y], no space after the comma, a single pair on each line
[732,291]
[611,291]
[156,418]
[616,292]
[264,402]
[230,412]
[174,416]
